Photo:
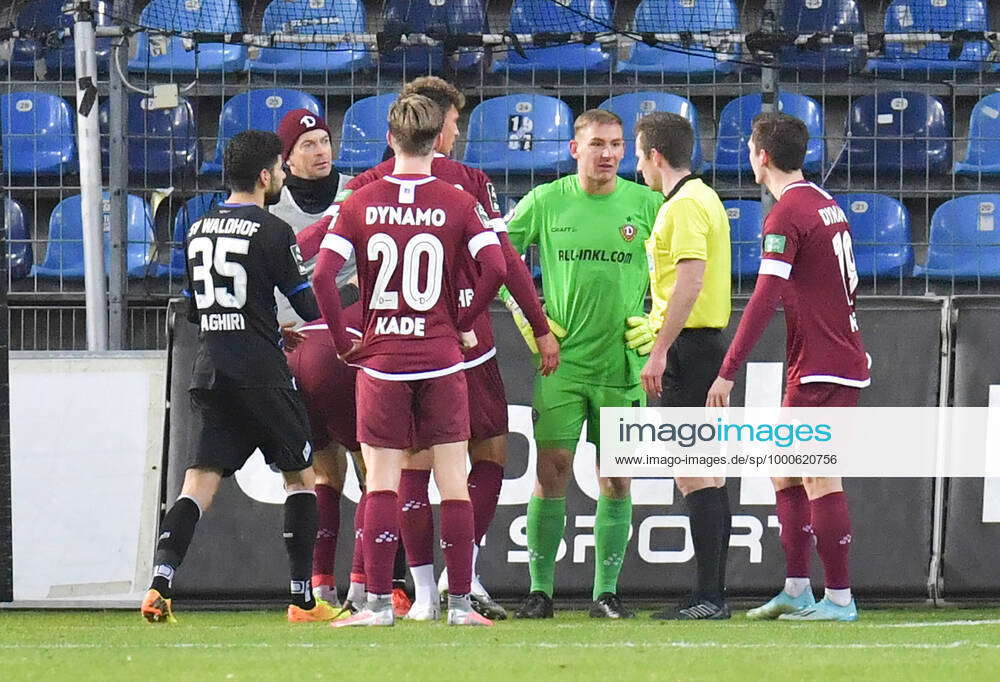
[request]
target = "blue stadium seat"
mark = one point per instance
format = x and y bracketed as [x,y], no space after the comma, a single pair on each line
[362,137]
[964,239]
[64,250]
[42,16]
[745,226]
[19,253]
[312,17]
[633,106]
[897,132]
[256,110]
[38,134]
[880,232]
[432,17]
[984,139]
[166,55]
[921,16]
[192,210]
[732,157]
[678,16]
[520,134]
[828,17]
[546,16]
[160,141]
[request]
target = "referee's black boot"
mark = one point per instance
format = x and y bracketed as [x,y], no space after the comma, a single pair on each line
[536,605]
[696,609]
[609,605]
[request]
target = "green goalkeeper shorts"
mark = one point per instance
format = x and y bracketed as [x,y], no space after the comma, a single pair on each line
[562,406]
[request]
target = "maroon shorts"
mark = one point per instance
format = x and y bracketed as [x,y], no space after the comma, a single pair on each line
[327,388]
[487,401]
[403,414]
[821,394]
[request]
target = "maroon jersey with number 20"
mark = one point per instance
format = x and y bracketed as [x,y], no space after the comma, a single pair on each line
[807,243]
[409,233]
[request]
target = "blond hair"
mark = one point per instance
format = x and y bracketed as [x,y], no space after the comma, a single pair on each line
[598,116]
[415,122]
[443,93]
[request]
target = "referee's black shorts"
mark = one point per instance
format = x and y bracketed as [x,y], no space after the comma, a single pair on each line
[693,363]
[230,423]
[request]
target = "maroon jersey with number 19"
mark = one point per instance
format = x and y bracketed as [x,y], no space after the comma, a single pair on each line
[807,241]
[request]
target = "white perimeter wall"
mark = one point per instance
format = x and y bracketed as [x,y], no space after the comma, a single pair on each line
[86,439]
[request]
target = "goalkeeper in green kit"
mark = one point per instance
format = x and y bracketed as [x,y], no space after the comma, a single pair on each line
[590,229]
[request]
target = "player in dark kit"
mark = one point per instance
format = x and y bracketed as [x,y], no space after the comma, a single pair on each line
[413,234]
[487,397]
[808,267]
[242,394]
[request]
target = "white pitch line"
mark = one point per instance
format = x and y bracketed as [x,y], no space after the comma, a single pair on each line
[938,623]
[958,644]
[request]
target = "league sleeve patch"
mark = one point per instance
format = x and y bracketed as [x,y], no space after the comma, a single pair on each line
[774,243]
[483,218]
[342,195]
[297,257]
[492,192]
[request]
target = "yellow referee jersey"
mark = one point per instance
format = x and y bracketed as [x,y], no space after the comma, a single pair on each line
[692,223]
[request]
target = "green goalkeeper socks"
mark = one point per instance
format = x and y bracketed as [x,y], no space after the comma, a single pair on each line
[546,523]
[611,530]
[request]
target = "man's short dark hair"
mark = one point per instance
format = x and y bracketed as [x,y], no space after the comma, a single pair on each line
[246,155]
[783,137]
[668,133]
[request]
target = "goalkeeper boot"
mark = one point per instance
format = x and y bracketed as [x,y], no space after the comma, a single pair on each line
[377,612]
[460,612]
[824,610]
[781,604]
[609,605]
[536,605]
[157,609]
[321,612]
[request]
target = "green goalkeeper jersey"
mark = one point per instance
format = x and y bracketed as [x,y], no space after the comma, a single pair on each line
[594,272]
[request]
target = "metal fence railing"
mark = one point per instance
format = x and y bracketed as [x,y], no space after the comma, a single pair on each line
[901,99]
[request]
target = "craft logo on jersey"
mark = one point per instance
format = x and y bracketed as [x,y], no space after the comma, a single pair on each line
[628,231]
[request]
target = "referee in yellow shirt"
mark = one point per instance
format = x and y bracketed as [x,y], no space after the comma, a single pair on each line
[689,276]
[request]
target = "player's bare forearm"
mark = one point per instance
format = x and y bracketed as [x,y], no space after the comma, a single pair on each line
[690,273]
[492,271]
[522,287]
[328,264]
[758,313]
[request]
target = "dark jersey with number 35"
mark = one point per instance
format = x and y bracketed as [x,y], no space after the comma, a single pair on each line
[236,255]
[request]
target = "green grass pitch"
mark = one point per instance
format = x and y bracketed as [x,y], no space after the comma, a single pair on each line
[905,644]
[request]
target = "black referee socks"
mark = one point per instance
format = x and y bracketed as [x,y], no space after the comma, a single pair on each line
[705,513]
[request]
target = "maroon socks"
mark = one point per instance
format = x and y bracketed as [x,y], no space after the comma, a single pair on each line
[831,523]
[416,519]
[485,480]
[381,537]
[456,542]
[794,515]
[327,528]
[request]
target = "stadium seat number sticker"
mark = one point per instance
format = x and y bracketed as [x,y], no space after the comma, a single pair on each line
[519,133]
[24,105]
[273,102]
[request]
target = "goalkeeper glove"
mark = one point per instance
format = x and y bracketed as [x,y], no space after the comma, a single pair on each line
[640,335]
[524,326]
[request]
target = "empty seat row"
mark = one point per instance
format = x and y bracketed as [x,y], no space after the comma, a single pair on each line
[964,238]
[64,248]
[888,133]
[157,54]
